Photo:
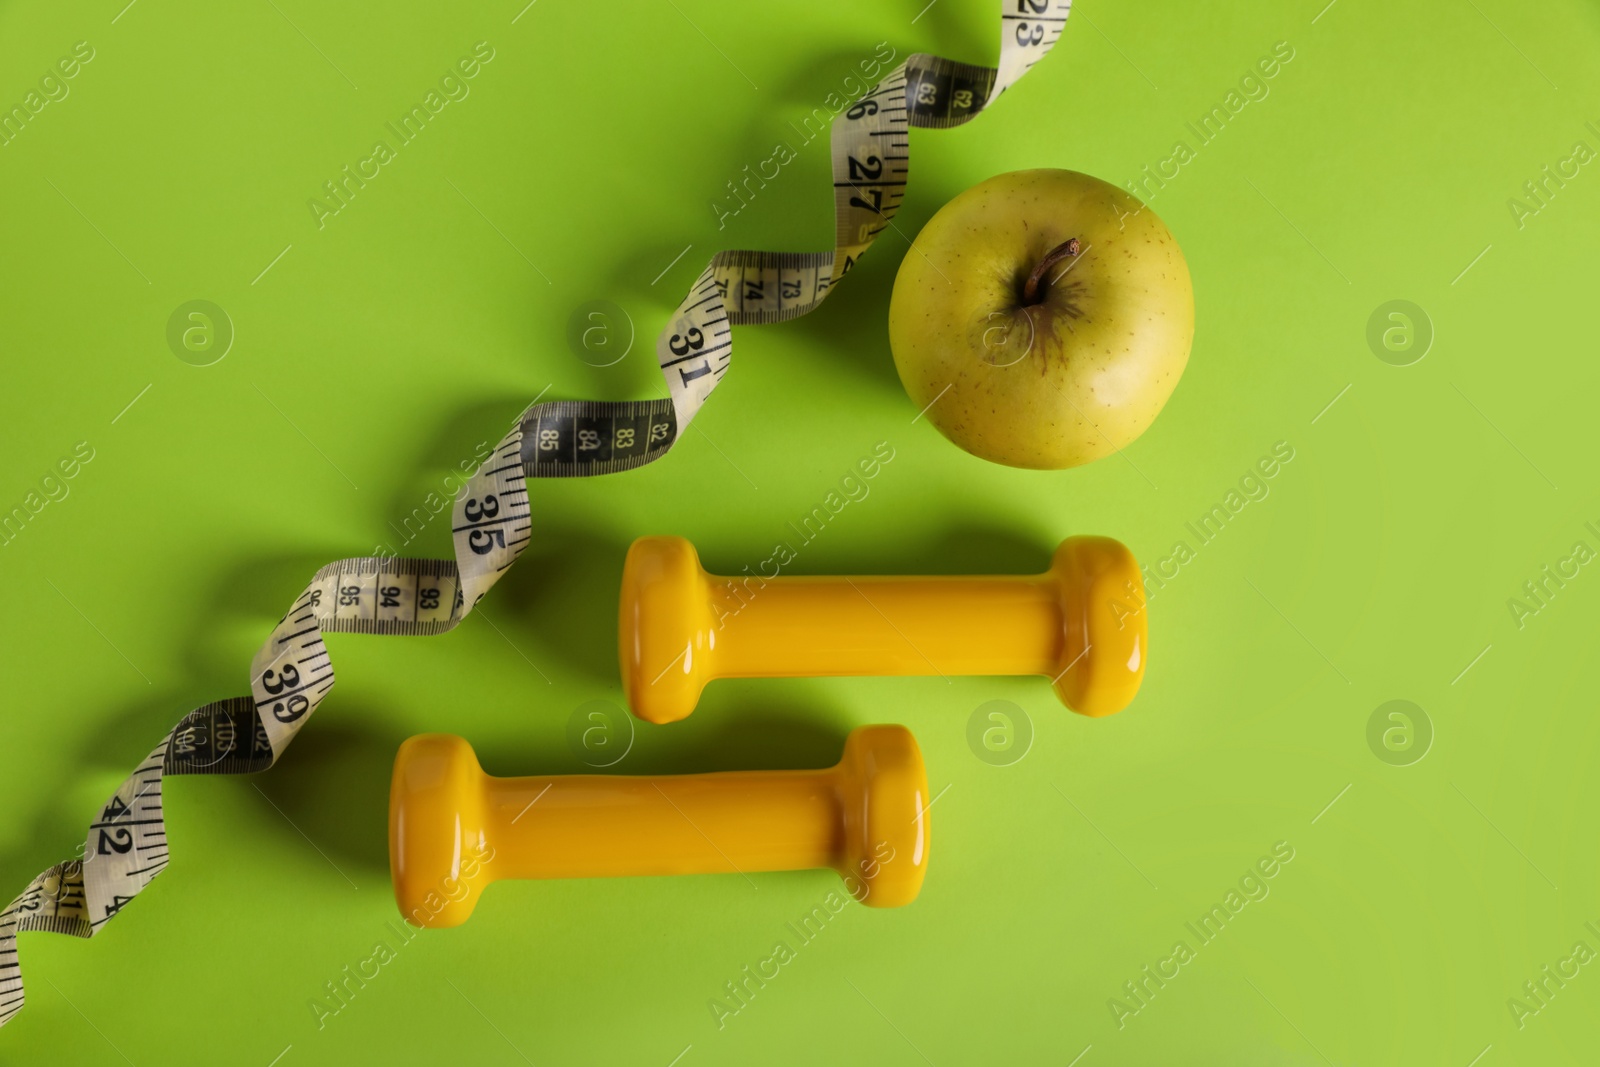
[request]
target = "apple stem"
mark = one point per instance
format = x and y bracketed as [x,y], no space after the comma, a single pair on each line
[1030,289]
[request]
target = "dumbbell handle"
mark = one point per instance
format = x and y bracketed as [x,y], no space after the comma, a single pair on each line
[801,626]
[597,826]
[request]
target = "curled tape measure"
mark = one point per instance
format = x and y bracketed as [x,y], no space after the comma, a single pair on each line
[291,674]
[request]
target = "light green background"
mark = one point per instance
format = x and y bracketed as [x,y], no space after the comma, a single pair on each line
[416,325]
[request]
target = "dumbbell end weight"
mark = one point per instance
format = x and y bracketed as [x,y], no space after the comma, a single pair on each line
[666,631]
[439,858]
[1105,632]
[883,788]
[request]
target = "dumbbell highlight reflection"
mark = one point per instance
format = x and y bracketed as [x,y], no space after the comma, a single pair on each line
[1081,623]
[454,829]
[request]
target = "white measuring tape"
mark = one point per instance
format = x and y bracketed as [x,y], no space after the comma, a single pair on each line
[127,843]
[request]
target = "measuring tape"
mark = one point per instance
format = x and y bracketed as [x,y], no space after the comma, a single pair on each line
[291,674]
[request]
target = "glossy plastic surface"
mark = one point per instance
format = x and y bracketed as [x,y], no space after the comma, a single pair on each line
[454,829]
[1081,624]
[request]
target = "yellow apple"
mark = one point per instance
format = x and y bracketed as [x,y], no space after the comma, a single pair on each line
[1042,318]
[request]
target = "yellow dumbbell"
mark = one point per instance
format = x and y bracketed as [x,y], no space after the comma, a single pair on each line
[1081,623]
[454,829]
